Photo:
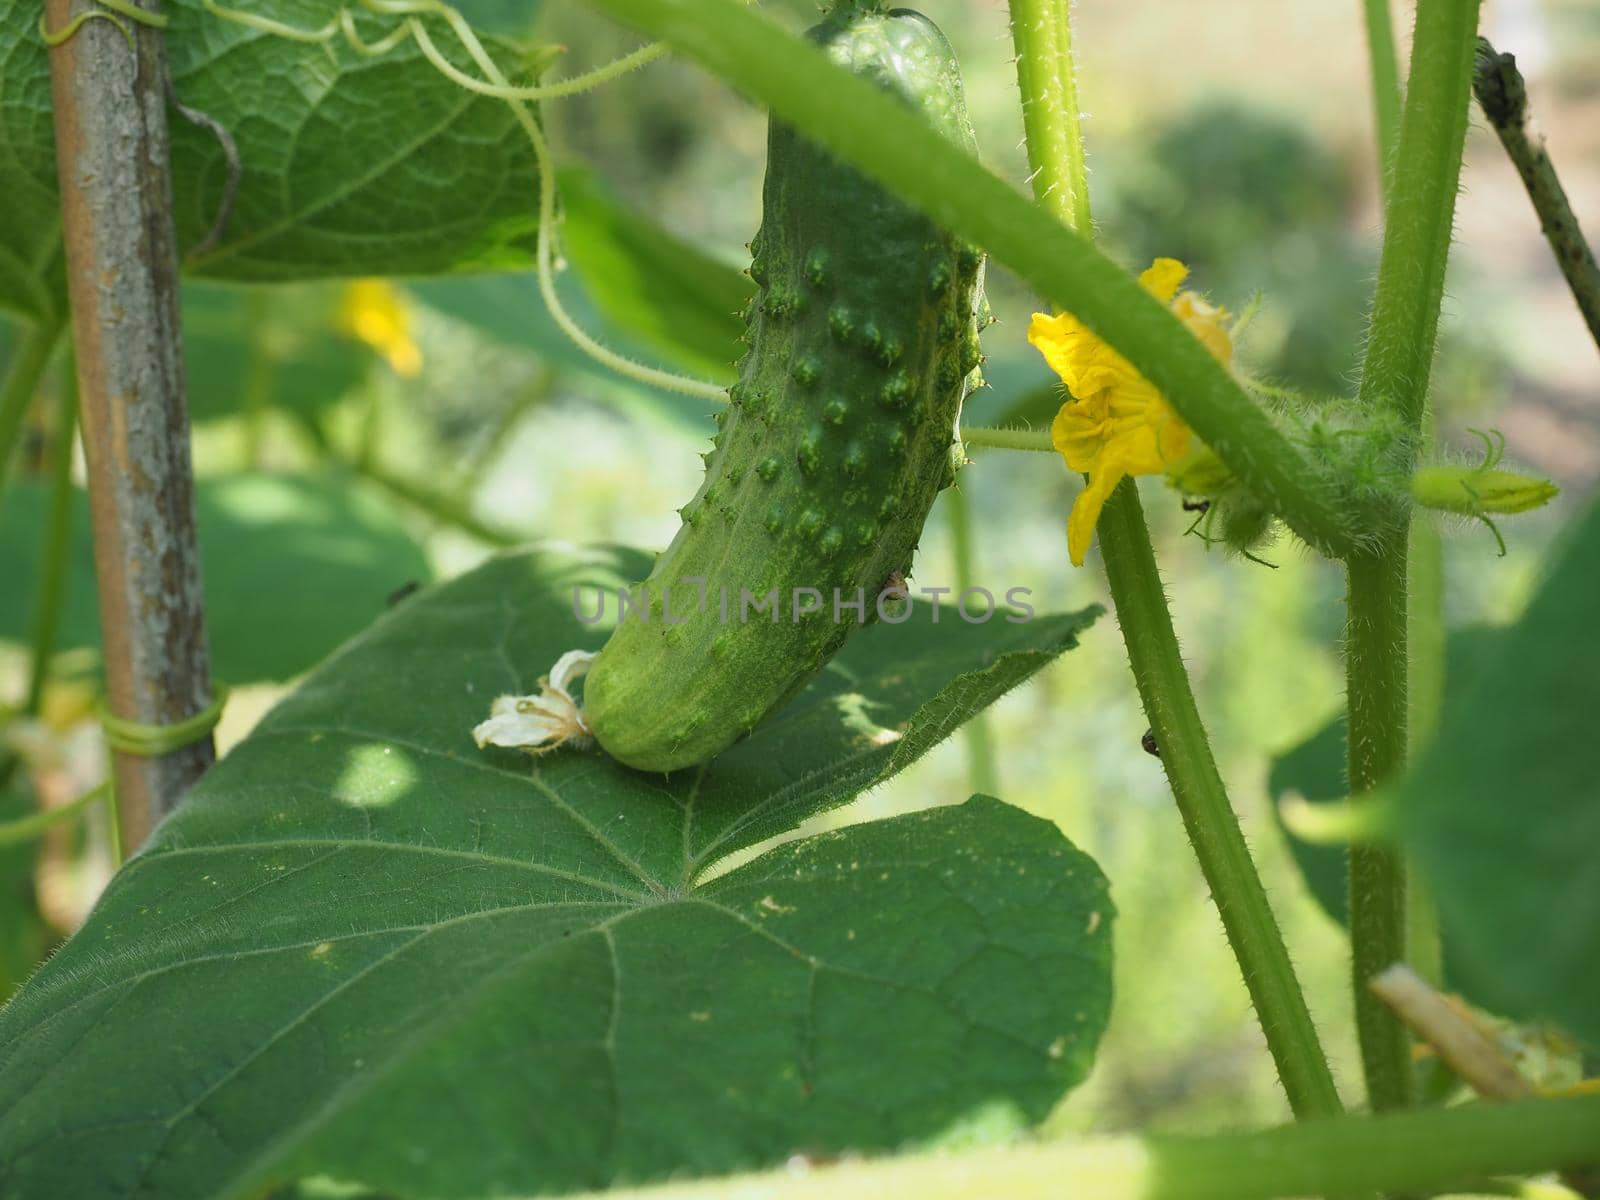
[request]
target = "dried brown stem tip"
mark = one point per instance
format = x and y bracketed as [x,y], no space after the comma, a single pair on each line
[1503,96]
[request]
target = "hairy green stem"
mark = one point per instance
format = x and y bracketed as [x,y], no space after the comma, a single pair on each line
[1503,96]
[32,357]
[860,123]
[1041,31]
[1046,79]
[1375,668]
[1425,624]
[57,550]
[1006,439]
[1427,1150]
[1208,817]
[982,773]
[1385,67]
[1420,211]
[1400,343]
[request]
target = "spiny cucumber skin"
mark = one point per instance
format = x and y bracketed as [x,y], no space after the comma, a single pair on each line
[863,341]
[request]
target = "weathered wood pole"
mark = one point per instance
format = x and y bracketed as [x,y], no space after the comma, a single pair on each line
[116,210]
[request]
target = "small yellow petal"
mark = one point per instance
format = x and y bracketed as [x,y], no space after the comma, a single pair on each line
[1162,277]
[1206,321]
[1078,432]
[1061,339]
[1085,513]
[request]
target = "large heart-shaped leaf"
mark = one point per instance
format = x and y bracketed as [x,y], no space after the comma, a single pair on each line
[350,165]
[365,950]
[291,566]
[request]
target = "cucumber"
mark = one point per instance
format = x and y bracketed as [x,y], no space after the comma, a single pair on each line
[863,341]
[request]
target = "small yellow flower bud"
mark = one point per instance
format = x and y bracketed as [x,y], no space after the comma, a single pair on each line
[1474,491]
[374,311]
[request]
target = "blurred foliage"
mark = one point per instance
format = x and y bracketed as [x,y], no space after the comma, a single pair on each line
[653,284]
[250,349]
[23,939]
[1253,204]
[291,566]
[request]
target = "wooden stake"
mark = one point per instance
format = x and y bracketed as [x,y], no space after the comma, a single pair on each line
[116,209]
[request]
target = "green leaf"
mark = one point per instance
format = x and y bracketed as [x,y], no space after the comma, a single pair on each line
[656,286]
[1500,810]
[365,950]
[291,566]
[350,165]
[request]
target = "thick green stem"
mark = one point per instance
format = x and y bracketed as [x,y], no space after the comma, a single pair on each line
[1208,817]
[1428,1150]
[1420,211]
[982,774]
[1400,345]
[27,368]
[57,550]
[1385,65]
[1425,627]
[1041,31]
[1375,664]
[895,146]
[1046,79]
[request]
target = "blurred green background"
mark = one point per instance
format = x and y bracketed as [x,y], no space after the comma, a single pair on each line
[427,426]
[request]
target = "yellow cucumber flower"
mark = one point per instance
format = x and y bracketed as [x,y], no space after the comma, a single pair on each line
[1116,424]
[374,311]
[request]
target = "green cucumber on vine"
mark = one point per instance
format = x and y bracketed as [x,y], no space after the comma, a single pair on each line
[863,342]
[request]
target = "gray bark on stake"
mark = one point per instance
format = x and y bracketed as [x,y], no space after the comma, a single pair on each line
[116,208]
